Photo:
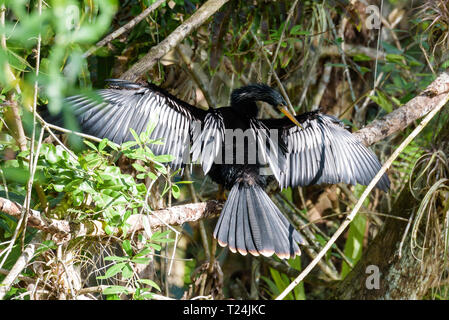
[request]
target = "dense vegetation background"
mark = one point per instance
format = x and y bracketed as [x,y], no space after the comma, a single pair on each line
[77,227]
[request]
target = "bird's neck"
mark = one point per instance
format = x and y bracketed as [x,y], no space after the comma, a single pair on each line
[246,108]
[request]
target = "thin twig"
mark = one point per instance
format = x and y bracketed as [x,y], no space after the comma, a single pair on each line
[34,154]
[281,39]
[278,81]
[82,135]
[341,48]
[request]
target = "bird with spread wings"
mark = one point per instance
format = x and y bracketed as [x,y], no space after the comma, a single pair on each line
[233,146]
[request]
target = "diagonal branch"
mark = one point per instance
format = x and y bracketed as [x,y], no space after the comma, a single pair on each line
[160,50]
[413,110]
[123,29]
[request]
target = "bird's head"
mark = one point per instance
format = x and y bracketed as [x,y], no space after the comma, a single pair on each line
[247,96]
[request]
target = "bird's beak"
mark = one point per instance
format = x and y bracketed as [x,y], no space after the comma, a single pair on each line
[292,118]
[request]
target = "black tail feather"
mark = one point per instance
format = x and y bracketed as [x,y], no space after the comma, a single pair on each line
[251,223]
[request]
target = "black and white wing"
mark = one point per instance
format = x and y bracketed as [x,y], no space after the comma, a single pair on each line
[207,144]
[325,152]
[130,105]
[272,150]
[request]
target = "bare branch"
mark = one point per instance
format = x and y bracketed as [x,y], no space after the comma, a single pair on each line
[158,51]
[35,219]
[123,29]
[176,215]
[400,118]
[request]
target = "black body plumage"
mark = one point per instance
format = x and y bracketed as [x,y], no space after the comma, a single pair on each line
[234,147]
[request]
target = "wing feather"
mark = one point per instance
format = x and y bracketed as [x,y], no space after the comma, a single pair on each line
[129,105]
[325,152]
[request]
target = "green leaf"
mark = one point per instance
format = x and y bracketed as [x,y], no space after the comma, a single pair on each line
[397,59]
[151,175]
[90,144]
[116,268]
[127,271]
[150,283]
[394,57]
[164,158]
[337,65]
[102,144]
[296,31]
[159,235]
[52,156]
[274,291]
[356,234]
[382,101]
[127,145]
[175,191]
[361,57]
[155,246]
[299,289]
[126,244]
[45,246]
[280,283]
[141,260]
[142,252]
[139,167]
[115,258]
[115,290]
[112,145]
[16,61]
[161,169]
[135,135]
[354,242]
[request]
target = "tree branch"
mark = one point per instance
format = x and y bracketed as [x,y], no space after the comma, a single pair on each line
[160,50]
[124,28]
[400,118]
[176,215]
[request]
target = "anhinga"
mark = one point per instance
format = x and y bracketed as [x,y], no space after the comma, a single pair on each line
[311,148]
